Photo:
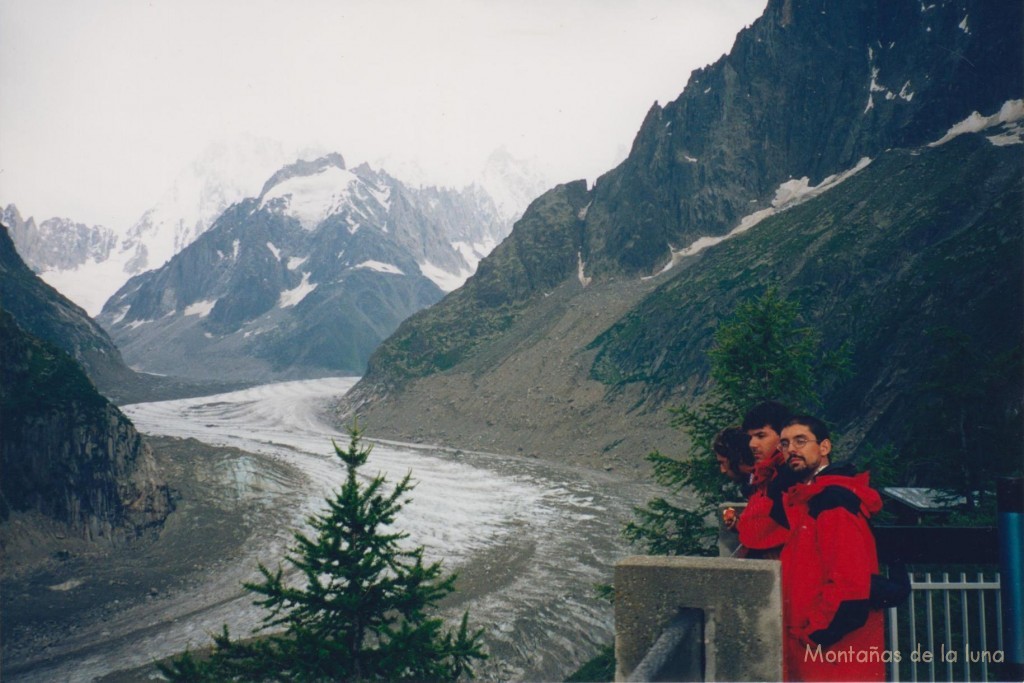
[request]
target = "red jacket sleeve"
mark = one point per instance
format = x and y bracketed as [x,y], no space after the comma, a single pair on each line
[757,528]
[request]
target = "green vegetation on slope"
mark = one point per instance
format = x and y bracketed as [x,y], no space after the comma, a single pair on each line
[917,242]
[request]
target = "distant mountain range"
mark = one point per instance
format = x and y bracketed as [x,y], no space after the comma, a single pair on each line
[305,278]
[89,263]
[65,254]
[807,159]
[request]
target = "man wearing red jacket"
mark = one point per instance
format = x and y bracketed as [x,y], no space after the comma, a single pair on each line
[828,559]
[762,526]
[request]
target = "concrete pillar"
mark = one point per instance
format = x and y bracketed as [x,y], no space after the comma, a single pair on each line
[742,605]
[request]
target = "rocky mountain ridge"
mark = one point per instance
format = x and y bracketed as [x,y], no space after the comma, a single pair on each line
[222,174]
[88,264]
[58,243]
[586,375]
[43,312]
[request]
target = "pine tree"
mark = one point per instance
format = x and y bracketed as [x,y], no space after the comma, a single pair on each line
[362,610]
[762,352]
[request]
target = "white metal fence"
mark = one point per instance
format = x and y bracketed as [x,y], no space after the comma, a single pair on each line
[947,630]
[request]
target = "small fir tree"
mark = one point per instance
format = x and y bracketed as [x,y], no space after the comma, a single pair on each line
[762,352]
[363,610]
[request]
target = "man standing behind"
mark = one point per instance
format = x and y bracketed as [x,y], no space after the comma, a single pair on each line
[762,526]
[827,563]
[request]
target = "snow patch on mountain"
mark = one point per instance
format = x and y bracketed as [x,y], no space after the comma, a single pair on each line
[201,308]
[445,280]
[1009,115]
[291,297]
[380,267]
[789,194]
[471,253]
[905,92]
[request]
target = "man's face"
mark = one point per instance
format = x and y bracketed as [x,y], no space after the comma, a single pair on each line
[763,441]
[807,458]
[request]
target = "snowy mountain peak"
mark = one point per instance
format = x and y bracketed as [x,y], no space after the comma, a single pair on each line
[512,183]
[312,191]
[303,167]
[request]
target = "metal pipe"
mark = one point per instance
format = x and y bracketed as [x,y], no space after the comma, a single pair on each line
[678,653]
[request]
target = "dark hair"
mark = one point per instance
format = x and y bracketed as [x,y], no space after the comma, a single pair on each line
[733,444]
[817,427]
[770,413]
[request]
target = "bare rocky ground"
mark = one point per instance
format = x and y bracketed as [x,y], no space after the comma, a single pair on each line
[530,393]
[78,586]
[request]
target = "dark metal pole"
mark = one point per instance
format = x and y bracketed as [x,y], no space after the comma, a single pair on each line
[678,653]
[1010,501]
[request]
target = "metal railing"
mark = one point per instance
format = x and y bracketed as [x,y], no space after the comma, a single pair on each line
[948,629]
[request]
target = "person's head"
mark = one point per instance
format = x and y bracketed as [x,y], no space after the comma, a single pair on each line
[763,423]
[732,451]
[806,443]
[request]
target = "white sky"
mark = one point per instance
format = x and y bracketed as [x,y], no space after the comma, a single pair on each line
[105,101]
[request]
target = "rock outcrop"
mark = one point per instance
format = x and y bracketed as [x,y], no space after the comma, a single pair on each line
[67,454]
[73,466]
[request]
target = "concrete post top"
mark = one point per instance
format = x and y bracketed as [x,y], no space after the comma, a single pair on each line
[725,564]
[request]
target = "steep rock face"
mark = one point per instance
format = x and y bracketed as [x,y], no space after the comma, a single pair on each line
[45,313]
[66,452]
[808,90]
[303,280]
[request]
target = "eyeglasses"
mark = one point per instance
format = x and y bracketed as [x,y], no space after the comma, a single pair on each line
[798,441]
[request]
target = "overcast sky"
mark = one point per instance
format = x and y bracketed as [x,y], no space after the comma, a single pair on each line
[105,101]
